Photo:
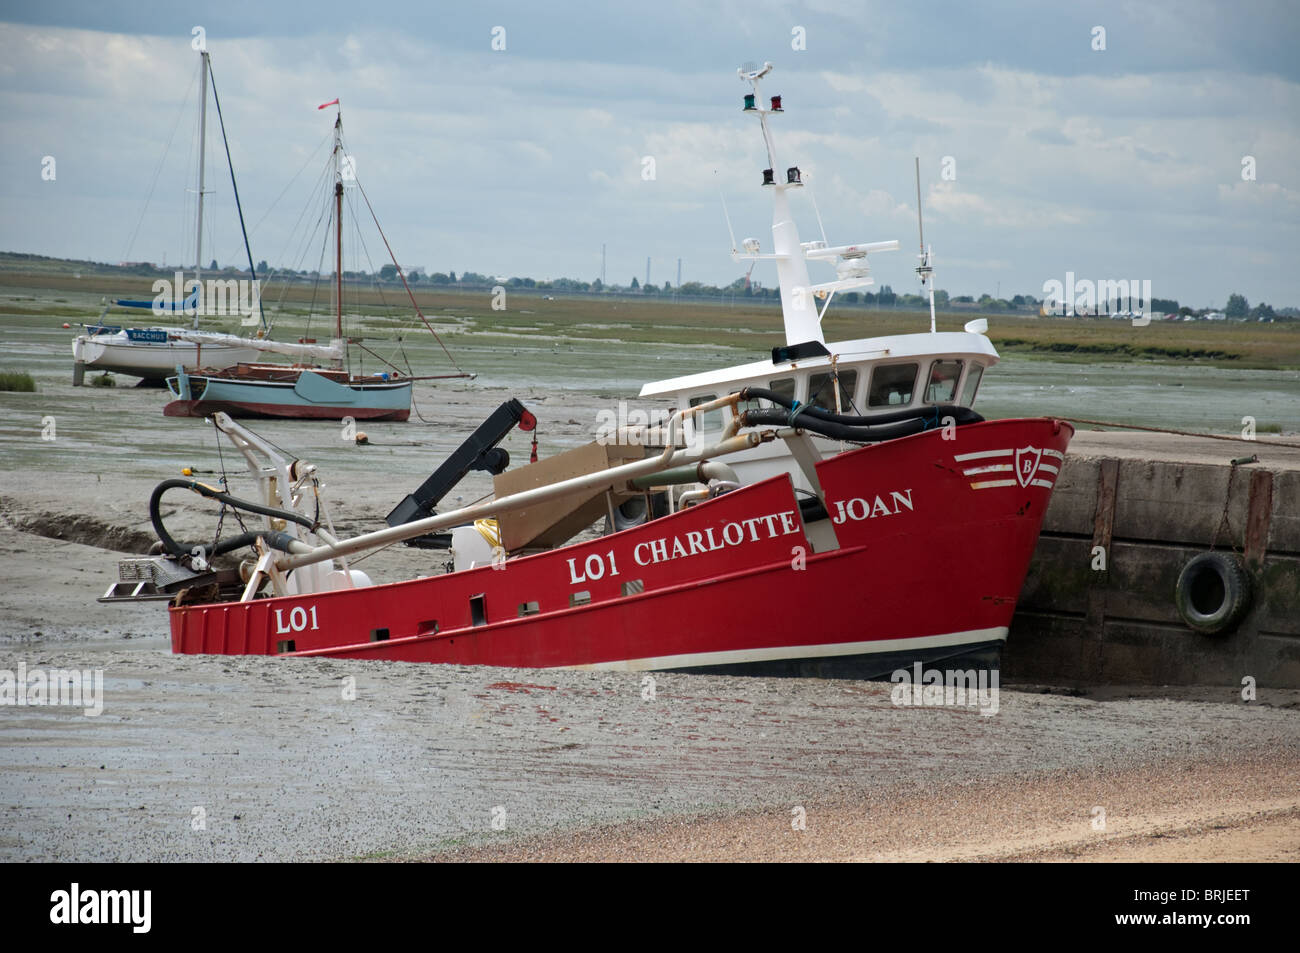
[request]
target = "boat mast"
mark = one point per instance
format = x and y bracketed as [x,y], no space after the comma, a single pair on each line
[338,224]
[203,133]
[802,323]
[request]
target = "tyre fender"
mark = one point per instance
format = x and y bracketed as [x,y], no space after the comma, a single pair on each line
[1213,592]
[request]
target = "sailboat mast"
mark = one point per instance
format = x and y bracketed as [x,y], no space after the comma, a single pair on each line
[338,225]
[203,134]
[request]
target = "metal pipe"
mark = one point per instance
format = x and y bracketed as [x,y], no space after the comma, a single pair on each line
[700,473]
[603,479]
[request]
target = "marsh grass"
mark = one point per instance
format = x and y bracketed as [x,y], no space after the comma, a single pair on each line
[17,381]
[737,322]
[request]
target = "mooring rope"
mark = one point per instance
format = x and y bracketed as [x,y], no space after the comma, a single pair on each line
[1180,433]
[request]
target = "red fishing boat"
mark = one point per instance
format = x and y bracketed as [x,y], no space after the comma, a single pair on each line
[838,510]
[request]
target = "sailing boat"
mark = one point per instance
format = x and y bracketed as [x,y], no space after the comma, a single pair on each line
[302,391]
[151,353]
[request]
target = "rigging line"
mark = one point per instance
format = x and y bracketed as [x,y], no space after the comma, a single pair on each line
[315,285]
[296,258]
[380,358]
[300,259]
[318,189]
[415,407]
[1180,433]
[406,360]
[235,188]
[286,189]
[402,275]
[383,302]
[180,111]
[221,457]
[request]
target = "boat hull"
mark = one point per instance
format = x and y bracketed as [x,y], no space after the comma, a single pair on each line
[933,538]
[152,361]
[309,396]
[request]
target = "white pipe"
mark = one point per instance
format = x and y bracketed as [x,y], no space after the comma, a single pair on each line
[601,479]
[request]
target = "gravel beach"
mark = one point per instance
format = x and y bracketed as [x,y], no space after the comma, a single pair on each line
[212,758]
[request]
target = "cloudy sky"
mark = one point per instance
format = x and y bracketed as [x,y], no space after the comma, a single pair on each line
[1122,162]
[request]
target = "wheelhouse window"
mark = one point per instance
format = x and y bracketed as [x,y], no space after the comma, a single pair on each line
[972,385]
[892,385]
[942,388]
[784,386]
[822,388]
[709,421]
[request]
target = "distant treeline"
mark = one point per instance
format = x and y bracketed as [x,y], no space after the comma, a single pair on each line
[1237,307]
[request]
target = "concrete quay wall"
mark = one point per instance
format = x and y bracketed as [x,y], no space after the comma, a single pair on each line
[1128,513]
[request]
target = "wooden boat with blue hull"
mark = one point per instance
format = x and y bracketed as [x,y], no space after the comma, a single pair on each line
[271,390]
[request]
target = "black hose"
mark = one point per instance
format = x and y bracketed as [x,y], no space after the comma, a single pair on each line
[865,433]
[275,540]
[962,415]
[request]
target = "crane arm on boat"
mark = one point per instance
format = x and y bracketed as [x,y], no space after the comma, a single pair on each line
[479,451]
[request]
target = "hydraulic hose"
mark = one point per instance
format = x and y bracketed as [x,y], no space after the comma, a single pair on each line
[865,432]
[280,541]
[962,415]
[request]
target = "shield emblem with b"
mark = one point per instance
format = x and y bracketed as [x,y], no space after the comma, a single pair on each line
[1027,459]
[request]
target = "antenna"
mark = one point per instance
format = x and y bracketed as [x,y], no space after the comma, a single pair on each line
[919,229]
[731,231]
[925,270]
[807,183]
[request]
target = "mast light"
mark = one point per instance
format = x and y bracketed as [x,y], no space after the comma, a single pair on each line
[749,103]
[776,104]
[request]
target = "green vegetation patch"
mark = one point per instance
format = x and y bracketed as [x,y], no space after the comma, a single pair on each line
[17,380]
[1120,349]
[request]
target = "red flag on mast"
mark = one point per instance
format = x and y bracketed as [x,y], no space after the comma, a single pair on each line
[332,102]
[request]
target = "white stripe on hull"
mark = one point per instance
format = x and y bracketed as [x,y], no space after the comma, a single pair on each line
[785,652]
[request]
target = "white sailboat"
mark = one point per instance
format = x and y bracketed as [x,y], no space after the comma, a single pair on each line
[152,352]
